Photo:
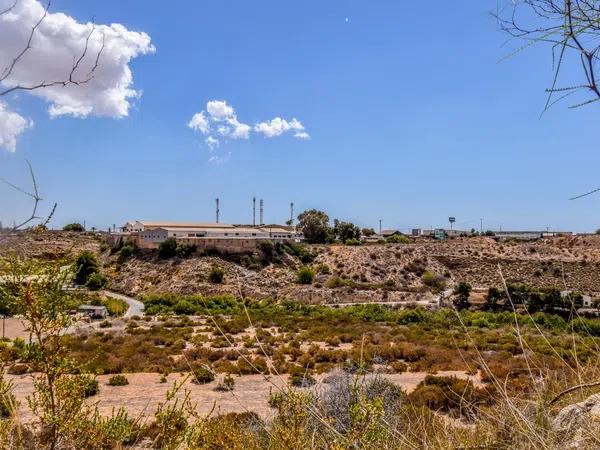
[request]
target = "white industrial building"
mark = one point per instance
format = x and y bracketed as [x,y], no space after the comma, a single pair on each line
[150,234]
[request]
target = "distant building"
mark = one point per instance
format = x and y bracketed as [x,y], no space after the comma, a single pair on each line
[372,238]
[440,234]
[389,233]
[528,235]
[204,235]
[94,312]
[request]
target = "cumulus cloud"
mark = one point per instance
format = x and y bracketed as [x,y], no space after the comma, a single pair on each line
[58,42]
[279,126]
[199,122]
[219,110]
[11,126]
[219,122]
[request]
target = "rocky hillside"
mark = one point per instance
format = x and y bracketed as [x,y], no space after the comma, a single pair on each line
[392,272]
[49,245]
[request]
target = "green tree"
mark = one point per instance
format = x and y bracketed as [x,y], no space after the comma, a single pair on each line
[493,299]
[368,232]
[314,224]
[74,227]
[345,231]
[462,292]
[167,248]
[86,265]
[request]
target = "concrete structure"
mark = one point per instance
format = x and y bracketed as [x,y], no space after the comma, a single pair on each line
[220,236]
[529,235]
[144,225]
[374,238]
[94,312]
[389,233]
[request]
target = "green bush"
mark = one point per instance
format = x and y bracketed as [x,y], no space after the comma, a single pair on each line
[448,394]
[7,399]
[216,275]
[96,281]
[74,227]
[305,275]
[301,377]
[435,281]
[168,248]
[352,242]
[118,380]
[202,375]
[184,250]
[126,251]
[398,239]
[90,386]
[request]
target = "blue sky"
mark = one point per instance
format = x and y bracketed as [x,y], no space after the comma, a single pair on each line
[411,115]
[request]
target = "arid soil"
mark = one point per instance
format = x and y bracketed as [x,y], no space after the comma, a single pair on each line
[251,393]
[49,245]
[12,327]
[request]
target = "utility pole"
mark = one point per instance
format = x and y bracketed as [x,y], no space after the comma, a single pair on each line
[218,211]
[480,226]
[380,226]
[292,213]
[253,211]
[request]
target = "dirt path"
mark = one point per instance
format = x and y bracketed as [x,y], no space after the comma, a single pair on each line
[145,391]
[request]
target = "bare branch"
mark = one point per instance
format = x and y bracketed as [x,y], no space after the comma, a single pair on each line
[34,194]
[10,8]
[572,25]
[71,79]
[586,194]
[573,389]
[8,70]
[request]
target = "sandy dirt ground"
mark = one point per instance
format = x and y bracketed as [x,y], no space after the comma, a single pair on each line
[13,328]
[145,391]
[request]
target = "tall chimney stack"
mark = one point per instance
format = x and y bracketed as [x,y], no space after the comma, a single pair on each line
[218,210]
[262,211]
[292,213]
[253,211]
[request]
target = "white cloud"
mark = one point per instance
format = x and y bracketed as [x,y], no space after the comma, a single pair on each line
[57,43]
[11,126]
[212,142]
[278,126]
[219,121]
[199,122]
[220,110]
[239,130]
